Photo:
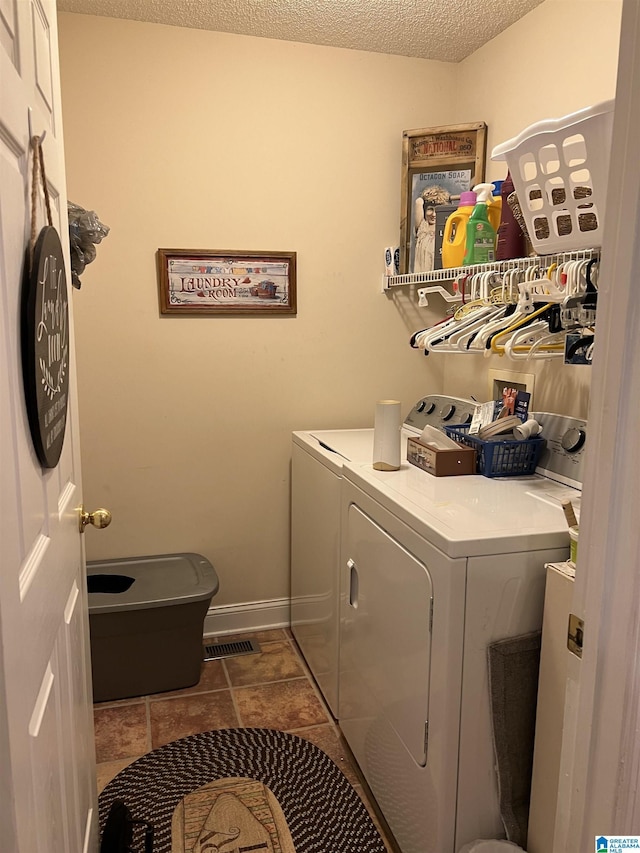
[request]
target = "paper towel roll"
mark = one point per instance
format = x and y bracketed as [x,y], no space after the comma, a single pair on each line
[386,436]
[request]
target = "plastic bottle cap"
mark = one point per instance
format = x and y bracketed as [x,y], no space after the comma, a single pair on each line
[484,192]
[467,198]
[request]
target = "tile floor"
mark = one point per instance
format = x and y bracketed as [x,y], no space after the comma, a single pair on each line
[273,689]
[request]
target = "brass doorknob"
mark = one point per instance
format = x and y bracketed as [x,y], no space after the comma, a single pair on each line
[99,518]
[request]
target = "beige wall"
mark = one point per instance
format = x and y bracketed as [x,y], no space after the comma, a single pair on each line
[192,139]
[560,57]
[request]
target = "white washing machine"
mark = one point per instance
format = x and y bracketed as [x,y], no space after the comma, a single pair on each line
[316,478]
[433,570]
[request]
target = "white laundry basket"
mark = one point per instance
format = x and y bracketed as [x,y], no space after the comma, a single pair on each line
[560,169]
[487,845]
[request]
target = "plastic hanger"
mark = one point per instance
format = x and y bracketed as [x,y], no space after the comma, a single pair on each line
[462,339]
[417,339]
[437,336]
[498,348]
[540,338]
[472,316]
[523,314]
[472,321]
[524,309]
[471,339]
[535,341]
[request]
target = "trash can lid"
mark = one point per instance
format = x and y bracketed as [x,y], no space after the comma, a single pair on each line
[160,580]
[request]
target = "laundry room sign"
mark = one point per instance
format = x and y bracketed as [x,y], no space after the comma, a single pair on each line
[203,282]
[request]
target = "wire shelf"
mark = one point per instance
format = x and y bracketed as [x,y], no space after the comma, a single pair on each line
[454,273]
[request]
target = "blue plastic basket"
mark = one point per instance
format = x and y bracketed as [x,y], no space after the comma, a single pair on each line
[501,458]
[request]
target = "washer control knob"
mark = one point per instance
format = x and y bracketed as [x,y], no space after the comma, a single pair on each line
[467,418]
[420,406]
[573,439]
[447,412]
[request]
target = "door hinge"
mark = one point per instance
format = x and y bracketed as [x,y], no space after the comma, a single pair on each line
[575,635]
[431,616]
[426,740]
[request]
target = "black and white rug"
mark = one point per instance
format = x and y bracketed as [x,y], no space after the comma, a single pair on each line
[323,812]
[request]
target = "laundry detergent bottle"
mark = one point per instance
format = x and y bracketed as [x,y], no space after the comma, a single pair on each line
[494,208]
[481,235]
[511,242]
[454,238]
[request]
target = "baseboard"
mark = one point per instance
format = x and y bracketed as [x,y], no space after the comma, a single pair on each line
[250,616]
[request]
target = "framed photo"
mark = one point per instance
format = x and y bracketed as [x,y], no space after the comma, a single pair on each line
[438,164]
[197,281]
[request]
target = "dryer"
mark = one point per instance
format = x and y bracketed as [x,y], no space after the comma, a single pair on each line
[433,570]
[318,457]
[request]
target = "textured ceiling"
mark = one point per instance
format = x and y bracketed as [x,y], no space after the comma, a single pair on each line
[448,30]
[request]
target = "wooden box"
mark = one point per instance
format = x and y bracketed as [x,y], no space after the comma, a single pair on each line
[441,463]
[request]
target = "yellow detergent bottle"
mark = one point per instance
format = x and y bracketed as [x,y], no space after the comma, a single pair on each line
[455,231]
[494,208]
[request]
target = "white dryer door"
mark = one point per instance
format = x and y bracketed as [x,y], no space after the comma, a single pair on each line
[386,643]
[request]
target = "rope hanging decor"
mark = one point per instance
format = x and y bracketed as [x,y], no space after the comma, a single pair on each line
[37,170]
[45,327]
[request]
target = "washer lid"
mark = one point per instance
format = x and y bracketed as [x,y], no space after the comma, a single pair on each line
[334,447]
[353,445]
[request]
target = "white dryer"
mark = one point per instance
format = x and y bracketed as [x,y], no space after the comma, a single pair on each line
[433,570]
[316,478]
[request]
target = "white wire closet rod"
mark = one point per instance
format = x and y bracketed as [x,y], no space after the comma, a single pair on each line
[453,273]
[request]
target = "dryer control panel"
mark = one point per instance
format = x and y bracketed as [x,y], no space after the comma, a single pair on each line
[440,409]
[563,456]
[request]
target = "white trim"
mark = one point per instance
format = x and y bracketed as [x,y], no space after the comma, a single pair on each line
[250,616]
[599,792]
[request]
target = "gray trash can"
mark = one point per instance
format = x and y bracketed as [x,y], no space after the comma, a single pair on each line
[146,623]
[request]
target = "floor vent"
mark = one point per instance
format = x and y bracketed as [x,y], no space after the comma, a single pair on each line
[228,650]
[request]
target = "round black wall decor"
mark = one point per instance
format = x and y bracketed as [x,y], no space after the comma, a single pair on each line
[45,346]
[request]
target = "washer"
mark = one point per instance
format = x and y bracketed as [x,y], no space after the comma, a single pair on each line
[318,457]
[433,570]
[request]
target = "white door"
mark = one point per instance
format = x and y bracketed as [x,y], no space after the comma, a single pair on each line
[599,792]
[47,761]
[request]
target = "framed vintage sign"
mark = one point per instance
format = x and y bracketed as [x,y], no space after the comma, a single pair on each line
[198,281]
[438,164]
